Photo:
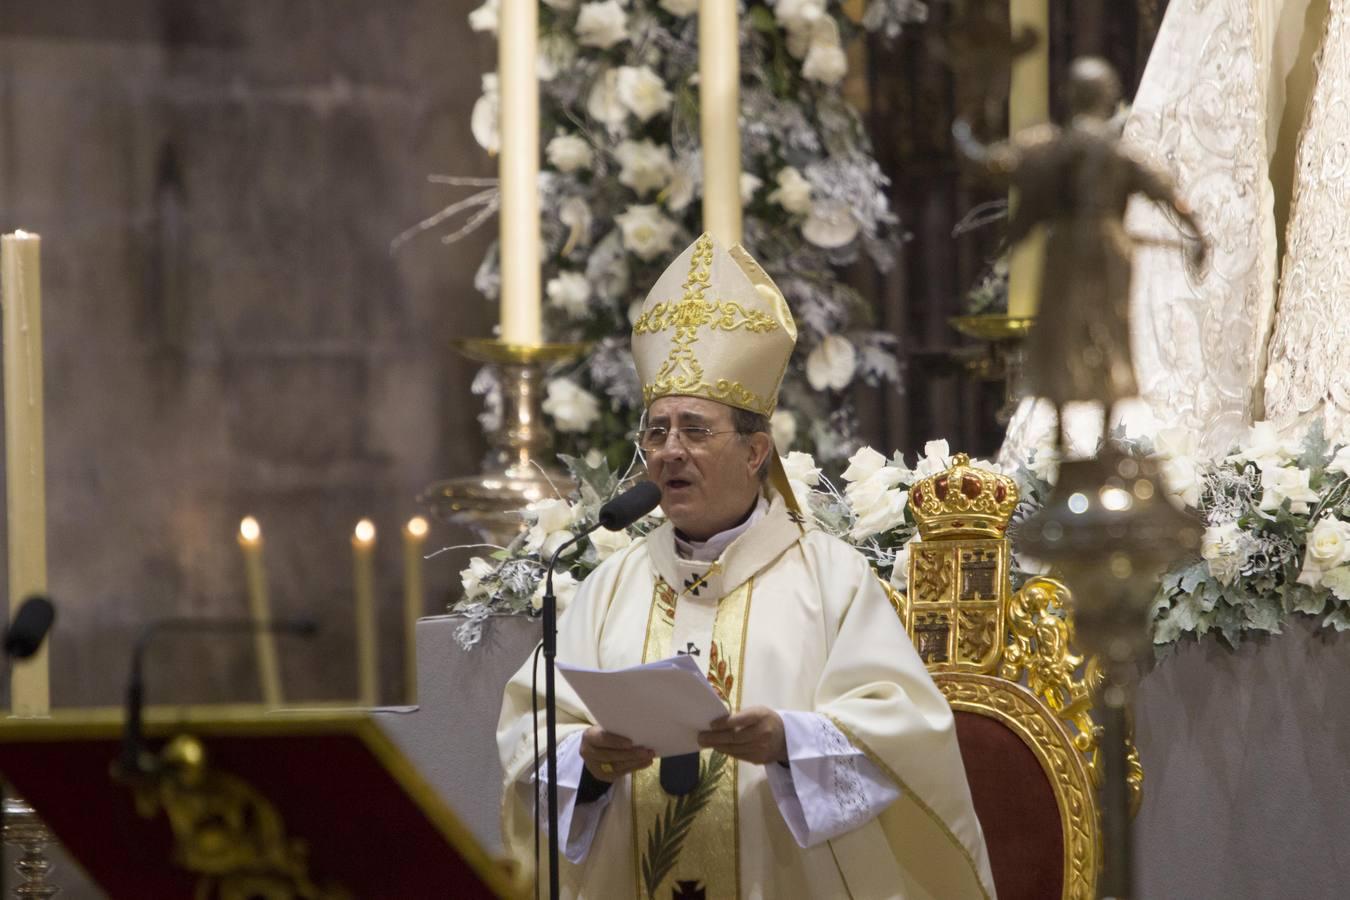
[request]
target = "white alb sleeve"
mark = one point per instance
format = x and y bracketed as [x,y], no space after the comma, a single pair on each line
[829,787]
[577,821]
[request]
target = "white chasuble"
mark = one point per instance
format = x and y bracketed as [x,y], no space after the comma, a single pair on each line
[787,618]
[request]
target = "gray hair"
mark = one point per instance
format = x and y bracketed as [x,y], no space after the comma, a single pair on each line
[746,422]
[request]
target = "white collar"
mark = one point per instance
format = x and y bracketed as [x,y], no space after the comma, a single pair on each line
[711,549]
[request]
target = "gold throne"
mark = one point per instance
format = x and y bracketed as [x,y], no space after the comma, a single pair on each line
[1022,697]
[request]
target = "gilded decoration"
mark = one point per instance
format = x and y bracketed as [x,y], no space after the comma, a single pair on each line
[957,597]
[1072,782]
[963,501]
[226,832]
[1007,655]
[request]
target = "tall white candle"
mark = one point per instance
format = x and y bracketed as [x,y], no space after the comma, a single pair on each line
[1028,104]
[719,100]
[414,598]
[20,295]
[260,609]
[363,570]
[518,170]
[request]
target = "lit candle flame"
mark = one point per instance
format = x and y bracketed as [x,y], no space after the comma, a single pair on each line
[365,531]
[417,527]
[249,530]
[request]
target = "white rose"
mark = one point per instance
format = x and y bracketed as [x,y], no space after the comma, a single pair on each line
[568,152]
[602,24]
[864,464]
[556,54]
[607,543]
[551,515]
[1182,477]
[572,407]
[1328,547]
[1340,462]
[825,63]
[1267,446]
[681,190]
[680,8]
[644,166]
[472,578]
[801,467]
[571,292]
[877,512]
[1338,582]
[830,224]
[936,458]
[646,232]
[486,116]
[602,103]
[784,427]
[900,571]
[484,18]
[1221,548]
[798,15]
[564,590]
[749,185]
[793,192]
[830,366]
[1282,483]
[642,91]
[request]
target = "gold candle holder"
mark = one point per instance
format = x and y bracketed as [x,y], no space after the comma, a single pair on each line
[1005,337]
[517,470]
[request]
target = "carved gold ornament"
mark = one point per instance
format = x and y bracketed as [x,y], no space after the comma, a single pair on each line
[1070,778]
[227,832]
[963,501]
[1009,656]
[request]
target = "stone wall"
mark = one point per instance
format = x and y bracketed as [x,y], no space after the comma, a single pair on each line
[227,331]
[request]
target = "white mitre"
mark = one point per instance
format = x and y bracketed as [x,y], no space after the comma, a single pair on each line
[714,326]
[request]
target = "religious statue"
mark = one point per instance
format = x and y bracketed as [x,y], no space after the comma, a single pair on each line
[1077,180]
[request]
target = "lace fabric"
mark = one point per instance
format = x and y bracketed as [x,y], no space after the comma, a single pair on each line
[1308,377]
[851,806]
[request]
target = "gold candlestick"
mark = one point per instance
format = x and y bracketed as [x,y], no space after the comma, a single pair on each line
[20,294]
[363,570]
[414,599]
[259,607]
[1005,337]
[517,470]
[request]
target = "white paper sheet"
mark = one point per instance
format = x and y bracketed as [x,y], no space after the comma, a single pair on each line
[661,705]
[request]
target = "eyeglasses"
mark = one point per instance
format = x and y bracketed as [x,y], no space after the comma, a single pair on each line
[653,437]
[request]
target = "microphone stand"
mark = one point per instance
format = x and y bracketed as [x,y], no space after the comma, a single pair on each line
[550,642]
[132,762]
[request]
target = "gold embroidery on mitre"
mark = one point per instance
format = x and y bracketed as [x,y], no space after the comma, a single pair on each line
[682,372]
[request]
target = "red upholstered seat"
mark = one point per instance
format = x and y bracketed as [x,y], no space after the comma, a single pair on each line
[1017,809]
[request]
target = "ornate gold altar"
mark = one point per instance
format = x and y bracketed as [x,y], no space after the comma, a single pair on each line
[1005,661]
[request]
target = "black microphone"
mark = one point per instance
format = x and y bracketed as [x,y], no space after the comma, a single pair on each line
[630,506]
[617,514]
[133,760]
[31,624]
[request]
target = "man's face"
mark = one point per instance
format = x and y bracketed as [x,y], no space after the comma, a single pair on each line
[705,488]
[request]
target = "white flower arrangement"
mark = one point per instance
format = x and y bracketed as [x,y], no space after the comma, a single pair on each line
[622,184]
[1257,564]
